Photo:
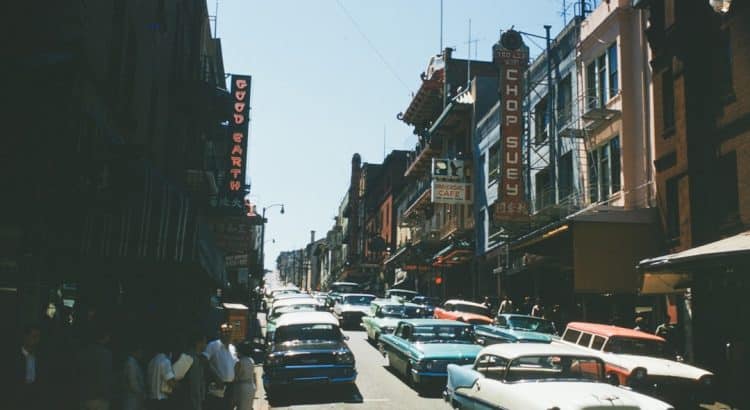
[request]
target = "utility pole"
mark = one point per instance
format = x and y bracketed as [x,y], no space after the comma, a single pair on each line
[551,123]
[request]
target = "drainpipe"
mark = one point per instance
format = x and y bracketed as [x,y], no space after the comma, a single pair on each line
[551,115]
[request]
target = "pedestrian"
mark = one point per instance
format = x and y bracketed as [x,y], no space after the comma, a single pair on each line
[537,309]
[191,392]
[506,306]
[21,375]
[244,379]
[488,304]
[161,381]
[526,306]
[221,355]
[556,318]
[133,385]
[95,371]
[640,324]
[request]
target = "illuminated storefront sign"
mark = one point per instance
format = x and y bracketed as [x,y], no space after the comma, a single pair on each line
[235,187]
[512,58]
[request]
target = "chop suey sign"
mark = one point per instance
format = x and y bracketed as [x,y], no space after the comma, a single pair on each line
[512,59]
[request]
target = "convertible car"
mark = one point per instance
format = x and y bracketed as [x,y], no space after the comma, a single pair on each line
[385,314]
[643,362]
[307,347]
[537,376]
[464,311]
[421,349]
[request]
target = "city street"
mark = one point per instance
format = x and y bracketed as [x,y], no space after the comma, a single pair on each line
[376,388]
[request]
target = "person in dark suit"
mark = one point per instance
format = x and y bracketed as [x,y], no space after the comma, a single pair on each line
[23,375]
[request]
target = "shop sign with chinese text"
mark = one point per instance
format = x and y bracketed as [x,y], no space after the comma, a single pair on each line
[511,57]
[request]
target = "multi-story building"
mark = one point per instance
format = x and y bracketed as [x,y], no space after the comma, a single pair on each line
[701,112]
[436,204]
[135,97]
[588,170]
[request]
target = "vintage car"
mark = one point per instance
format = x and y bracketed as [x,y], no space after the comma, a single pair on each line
[307,347]
[351,308]
[272,293]
[464,311]
[285,306]
[534,376]
[643,362]
[406,295]
[513,328]
[421,349]
[345,287]
[287,296]
[428,303]
[385,314]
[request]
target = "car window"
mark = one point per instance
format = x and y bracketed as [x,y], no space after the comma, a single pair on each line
[491,366]
[571,335]
[443,334]
[637,346]
[479,310]
[358,299]
[533,324]
[585,339]
[307,332]
[501,321]
[598,342]
[400,330]
[530,368]
[449,307]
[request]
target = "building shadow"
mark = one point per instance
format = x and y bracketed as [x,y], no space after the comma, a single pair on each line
[316,394]
[429,391]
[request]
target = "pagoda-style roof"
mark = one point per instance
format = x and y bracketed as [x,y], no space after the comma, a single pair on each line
[427,102]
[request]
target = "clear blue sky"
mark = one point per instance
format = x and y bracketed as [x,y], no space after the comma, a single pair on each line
[321,93]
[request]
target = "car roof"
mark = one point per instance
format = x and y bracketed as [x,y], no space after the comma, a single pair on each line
[402,291]
[345,283]
[465,302]
[391,302]
[356,294]
[514,350]
[286,296]
[511,315]
[296,301]
[307,318]
[610,331]
[428,322]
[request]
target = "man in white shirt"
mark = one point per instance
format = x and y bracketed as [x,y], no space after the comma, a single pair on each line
[160,381]
[222,356]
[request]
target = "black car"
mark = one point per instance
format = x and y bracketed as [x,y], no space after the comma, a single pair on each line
[307,347]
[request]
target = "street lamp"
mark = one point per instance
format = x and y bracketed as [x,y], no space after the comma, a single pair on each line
[263,235]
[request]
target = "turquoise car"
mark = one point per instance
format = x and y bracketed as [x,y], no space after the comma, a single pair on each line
[421,349]
[385,314]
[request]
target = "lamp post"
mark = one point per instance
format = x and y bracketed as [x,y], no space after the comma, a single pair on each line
[263,237]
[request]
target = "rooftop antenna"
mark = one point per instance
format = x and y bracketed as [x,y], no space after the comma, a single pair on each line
[565,12]
[383,142]
[468,59]
[215,18]
[441,26]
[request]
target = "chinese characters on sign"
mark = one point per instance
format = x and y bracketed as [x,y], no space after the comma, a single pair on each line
[238,130]
[512,58]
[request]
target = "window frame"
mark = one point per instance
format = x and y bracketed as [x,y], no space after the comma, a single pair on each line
[602,72]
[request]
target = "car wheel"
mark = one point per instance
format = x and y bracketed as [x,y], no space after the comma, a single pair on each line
[410,379]
[388,358]
[376,338]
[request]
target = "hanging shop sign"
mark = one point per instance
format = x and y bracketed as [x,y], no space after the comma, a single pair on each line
[444,192]
[448,169]
[512,58]
[238,131]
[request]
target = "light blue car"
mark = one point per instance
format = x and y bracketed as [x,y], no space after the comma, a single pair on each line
[421,349]
[513,328]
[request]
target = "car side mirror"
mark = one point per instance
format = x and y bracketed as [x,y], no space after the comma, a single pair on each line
[612,379]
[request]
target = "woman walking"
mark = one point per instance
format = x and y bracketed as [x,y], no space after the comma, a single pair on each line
[244,379]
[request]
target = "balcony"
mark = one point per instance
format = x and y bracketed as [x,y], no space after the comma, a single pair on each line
[420,160]
[418,197]
[546,210]
[597,114]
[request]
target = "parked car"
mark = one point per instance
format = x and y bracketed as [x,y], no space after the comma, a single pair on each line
[272,293]
[537,376]
[428,303]
[345,287]
[285,306]
[643,362]
[406,295]
[421,349]
[288,296]
[307,347]
[351,308]
[464,311]
[385,314]
[513,328]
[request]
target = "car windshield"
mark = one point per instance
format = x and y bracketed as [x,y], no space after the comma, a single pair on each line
[401,311]
[307,332]
[554,367]
[424,300]
[293,308]
[344,288]
[358,299]
[479,310]
[402,294]
[636,346]
[443,334]
[532,324]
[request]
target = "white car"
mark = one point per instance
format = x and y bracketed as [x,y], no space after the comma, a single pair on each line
[535,376]
[272,293]
[643,362]
[352,307]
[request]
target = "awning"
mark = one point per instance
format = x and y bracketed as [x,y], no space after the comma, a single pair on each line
[673,273]
[395,255]
[455,253]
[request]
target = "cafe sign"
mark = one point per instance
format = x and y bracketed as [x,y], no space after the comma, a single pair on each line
[445,192]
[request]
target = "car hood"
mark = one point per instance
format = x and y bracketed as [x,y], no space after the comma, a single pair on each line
[584,395]
[355,308]
[387,322]
[521,335]
[308,347]
[447,350]
[656,366]
[473,317]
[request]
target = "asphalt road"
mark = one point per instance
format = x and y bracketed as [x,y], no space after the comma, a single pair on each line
[376,388]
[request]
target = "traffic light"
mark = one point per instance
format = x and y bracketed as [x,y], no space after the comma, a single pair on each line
[438,280]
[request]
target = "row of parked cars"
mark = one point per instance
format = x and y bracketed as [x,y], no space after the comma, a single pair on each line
[510,361]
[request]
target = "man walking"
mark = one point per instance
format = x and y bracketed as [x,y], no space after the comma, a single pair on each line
[95,372]
[21,376]
[506,306]
[222,356]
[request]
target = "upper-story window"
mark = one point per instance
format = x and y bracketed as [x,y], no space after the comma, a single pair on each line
[564,101]
[602,78]
[604,170]
[494,163]
[541,121]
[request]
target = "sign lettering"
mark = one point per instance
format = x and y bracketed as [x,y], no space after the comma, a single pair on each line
[234,193]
